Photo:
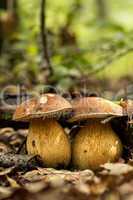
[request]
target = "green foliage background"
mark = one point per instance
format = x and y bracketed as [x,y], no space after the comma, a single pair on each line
[97,42]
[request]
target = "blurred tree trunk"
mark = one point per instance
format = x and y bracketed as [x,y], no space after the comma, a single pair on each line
[8,19]
[67,37]
[102,10]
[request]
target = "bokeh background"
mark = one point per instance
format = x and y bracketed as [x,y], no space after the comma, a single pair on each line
[90,45]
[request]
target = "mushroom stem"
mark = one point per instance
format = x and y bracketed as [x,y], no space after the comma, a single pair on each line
[47,139]
[94,145]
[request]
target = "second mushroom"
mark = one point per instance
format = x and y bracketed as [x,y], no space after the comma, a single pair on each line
[95,142]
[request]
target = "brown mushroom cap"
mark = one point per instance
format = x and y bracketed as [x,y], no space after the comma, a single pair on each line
[94,107]
[45,106]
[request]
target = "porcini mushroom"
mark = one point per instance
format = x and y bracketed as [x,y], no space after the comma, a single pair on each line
[46,137]
[95,143]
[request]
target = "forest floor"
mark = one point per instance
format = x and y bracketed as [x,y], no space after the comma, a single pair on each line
[23,177]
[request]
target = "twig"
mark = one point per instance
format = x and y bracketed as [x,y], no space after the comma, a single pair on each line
[110,61]
[46,56]
[21,148]
[100,68]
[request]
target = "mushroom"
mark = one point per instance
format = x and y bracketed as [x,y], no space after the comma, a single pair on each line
[46,137]
[95,143]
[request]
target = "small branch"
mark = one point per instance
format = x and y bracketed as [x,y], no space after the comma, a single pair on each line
[110,61]
[46,56]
